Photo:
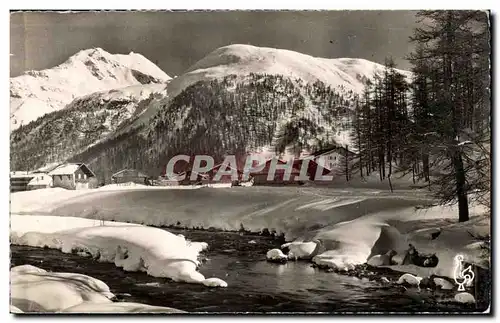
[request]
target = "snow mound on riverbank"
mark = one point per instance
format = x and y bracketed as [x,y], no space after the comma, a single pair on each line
[132,247]
[354,242]
[464,239]
[121,307]
[38,291]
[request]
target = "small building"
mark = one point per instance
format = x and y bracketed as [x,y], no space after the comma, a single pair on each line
[260,177]
[332,157]
[19,180]
[130,176]
[73,176]
[41,180]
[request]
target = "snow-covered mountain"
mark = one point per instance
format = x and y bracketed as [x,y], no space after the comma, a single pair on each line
[87,120]
[238,99]
[342,74]
[36,93]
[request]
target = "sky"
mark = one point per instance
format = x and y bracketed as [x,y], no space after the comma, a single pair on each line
[176,40]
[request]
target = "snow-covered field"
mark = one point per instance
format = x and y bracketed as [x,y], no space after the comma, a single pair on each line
[351,225]
[36,290]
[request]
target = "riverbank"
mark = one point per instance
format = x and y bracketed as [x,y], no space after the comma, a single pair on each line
[352,225]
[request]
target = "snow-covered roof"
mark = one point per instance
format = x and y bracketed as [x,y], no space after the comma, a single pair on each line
[41,179]
[21,174]
[47,168]
[65,169]
[136,173]
[68,169]
[335,149]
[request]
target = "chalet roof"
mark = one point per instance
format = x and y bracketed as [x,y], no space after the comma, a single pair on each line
[139,173]
[71,168]
[41,179]
[21,174]
[329,150]
[47,168]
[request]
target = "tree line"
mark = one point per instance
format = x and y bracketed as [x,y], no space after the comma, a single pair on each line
[435,125]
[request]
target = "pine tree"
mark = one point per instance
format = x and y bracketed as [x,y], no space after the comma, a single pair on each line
[452,46]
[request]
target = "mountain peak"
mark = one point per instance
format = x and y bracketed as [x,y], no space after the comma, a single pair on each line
[36,93]
[343,74]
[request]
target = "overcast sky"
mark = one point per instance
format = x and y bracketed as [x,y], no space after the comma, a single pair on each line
[176,40]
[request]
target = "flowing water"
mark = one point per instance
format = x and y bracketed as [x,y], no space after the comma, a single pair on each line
[255,285]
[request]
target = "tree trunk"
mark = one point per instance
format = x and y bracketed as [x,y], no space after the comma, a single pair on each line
[346,163]
[413,172]
[458,165]
[463,203]
[425,164]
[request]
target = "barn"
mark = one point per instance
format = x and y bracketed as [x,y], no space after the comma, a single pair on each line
[130,176]
[73,176]
[332,157]
[19,180]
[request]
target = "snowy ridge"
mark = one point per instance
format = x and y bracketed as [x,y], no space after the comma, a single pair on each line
[36,93]
[59,135]
[348,74]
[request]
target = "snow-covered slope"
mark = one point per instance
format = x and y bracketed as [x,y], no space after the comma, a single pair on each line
[36,93]
[84,122]
[349,74]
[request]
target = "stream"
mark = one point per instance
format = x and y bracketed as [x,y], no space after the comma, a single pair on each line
[255,285]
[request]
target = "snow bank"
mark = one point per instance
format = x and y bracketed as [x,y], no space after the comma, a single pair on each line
[132,247]
[455,238]
[39,291]
[354,242]
[301,250]
[36,290]
[121,307]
